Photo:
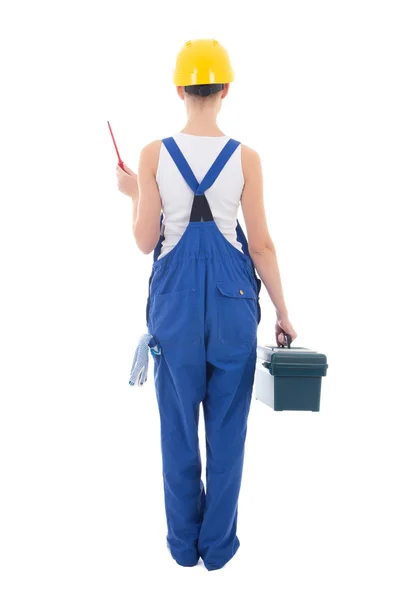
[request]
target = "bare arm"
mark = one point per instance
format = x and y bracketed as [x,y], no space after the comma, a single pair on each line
[147,201]
[261,246]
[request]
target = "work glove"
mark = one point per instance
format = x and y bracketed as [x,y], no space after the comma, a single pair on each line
[140,363]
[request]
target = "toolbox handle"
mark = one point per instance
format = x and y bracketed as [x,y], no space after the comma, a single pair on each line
[288,340]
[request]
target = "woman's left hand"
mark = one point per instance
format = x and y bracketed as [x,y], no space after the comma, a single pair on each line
[282,326]
[127,181]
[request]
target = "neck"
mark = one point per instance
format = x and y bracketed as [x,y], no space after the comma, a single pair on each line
[202,122]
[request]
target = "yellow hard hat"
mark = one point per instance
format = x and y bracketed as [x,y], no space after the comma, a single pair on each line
[202,61]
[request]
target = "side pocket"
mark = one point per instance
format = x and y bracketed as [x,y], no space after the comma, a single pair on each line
[174,318]
[237,313]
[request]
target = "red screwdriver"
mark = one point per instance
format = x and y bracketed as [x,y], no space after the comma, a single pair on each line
[120,162]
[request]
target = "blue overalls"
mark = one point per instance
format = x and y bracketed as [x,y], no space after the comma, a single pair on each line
[203,311]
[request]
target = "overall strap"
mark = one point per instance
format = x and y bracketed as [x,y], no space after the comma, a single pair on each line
[200,209]
[217,166]
[181,163]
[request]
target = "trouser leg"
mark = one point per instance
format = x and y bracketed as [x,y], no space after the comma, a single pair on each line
[226,409]
[178,403]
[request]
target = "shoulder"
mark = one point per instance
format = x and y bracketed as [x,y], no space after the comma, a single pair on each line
[149,155]
[152,149]
[251,161]
[249,155]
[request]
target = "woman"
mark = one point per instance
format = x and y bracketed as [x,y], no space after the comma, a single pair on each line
[203,308]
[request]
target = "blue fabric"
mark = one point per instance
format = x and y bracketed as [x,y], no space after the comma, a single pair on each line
[181,163]
[203,311]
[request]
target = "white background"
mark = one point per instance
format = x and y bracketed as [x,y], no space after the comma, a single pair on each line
[317,95]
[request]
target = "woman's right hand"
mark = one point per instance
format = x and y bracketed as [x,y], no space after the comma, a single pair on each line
[282,326]
[127,181]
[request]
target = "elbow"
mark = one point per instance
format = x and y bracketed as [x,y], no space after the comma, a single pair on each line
[143,242]
[262,250]
[145,249]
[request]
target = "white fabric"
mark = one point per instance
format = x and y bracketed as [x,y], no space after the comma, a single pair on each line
[177,197]
[140,365]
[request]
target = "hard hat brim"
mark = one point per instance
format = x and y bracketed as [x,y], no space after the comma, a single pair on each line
[202,77]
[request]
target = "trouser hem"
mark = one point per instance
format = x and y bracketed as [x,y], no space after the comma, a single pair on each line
[215,567]
[187,562]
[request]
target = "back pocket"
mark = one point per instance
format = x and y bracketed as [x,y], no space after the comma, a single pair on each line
[174,317]
[237,313]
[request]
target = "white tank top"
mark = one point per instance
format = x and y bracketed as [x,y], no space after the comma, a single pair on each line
[177,197]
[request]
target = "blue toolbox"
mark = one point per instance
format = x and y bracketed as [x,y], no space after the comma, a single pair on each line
[289,378]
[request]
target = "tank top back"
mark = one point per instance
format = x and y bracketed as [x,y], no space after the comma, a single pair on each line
[177,197]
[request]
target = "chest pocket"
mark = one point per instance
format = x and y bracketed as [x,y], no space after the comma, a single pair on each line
[237,313]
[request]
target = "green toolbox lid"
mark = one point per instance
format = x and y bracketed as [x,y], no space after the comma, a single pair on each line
[292,362]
